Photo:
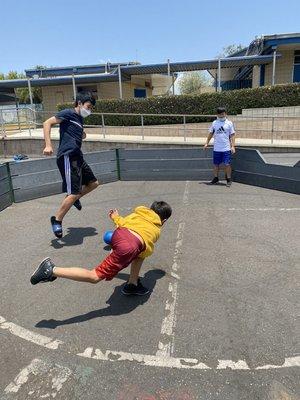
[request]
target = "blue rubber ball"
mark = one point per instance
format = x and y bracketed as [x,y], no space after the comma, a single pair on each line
[107,237]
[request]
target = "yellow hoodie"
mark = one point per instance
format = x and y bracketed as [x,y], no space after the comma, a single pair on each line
[146,223]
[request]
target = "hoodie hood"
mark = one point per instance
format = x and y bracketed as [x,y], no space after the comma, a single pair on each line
[148,214]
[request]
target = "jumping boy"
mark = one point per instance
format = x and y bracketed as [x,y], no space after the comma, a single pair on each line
[74,170]
[132,242]
[224,144]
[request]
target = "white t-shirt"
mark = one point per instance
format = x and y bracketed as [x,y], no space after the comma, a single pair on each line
[222,130]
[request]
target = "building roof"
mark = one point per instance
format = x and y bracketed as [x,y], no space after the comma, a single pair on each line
[76,69]
[128,70]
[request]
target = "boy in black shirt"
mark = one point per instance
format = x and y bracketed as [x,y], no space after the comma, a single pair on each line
[74,170]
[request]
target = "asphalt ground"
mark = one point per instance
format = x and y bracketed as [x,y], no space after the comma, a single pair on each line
[219,322]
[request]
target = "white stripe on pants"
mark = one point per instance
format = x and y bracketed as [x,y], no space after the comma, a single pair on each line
[68,174]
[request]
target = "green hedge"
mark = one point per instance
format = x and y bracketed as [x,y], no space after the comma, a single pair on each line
[206,103]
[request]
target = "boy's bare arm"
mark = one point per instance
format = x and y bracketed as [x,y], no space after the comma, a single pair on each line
[114,215]
[232,143]
[47,125]
[208,140]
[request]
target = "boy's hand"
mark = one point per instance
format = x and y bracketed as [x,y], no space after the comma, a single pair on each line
[113,213]
[232,149]
[48,151]
[205,146]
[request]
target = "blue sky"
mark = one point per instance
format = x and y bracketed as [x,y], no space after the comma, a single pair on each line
[65,32]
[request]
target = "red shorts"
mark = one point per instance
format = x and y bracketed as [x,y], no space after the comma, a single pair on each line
[126,247]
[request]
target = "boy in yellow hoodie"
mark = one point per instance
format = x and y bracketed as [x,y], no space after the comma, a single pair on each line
[132,242]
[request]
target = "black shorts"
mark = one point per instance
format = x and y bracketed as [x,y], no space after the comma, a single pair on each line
[75,173]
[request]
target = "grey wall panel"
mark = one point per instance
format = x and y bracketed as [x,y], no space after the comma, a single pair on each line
[100,156]
[154,154]
[251,155]
[36,179]
[32,166]
[164,164]
[4,186]
[281,171]
[166,175]
[38,191]
[3,171]
[5,201]
[268,182]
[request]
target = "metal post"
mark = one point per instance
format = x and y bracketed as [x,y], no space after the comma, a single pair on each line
[272,130]
[18,117]
[219,74]
[118,164]
[2,124]
[74,87]
[184,128]
[142,122]
[169,70]
[11,187]
[274,67]
[173,85]
[120,81]
[103,126]
[29,121]
[30,92]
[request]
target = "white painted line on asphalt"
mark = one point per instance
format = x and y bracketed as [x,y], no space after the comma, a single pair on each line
[56,375]
[264,209]
[288,362]
[23,333]
[177,362]
[108,355]
[166,344]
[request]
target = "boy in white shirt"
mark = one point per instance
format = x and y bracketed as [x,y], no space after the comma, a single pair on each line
[222,130]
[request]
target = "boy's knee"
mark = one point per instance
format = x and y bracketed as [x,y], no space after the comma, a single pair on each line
[95,184]
[94,278]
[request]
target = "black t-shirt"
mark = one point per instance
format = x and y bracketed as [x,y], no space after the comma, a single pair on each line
[70,132]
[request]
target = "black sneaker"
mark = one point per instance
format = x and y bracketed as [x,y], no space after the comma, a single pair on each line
[229,182]
[44,272]
[214,181]
[131,289]
[77,204]
[56,227]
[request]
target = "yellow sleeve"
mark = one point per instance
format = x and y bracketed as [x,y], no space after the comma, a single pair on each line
[118,220]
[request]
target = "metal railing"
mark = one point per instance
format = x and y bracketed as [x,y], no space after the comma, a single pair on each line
[159,126]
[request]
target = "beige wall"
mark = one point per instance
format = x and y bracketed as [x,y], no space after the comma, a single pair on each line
[256,76]
[53,95]
[284,67]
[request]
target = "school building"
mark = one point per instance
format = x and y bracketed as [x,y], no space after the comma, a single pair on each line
[268,60]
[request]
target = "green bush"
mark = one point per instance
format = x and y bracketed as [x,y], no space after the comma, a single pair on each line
[206,103]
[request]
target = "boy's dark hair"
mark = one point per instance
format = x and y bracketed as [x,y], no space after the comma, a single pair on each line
[221,110]
[84,97]
[162,208]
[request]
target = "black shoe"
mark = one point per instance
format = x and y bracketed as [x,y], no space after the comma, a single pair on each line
[214,181]
[229,182]
[131,289]
[44,272]
[78,205]
[56,227]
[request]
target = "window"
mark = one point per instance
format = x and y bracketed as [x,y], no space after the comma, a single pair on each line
[140,93]
[296,75]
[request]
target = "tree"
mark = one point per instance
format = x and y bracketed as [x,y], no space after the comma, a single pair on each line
[192,82]
[23,93]
[231,49]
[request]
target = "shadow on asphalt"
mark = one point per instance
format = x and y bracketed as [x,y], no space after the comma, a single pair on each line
[74,237]
[118,303]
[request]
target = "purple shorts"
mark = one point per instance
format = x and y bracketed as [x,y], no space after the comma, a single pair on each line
[222,157]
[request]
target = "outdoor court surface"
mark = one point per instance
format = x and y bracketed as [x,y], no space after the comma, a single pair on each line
[220,322]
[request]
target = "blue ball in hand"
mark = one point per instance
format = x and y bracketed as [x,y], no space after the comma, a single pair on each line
[107,237]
